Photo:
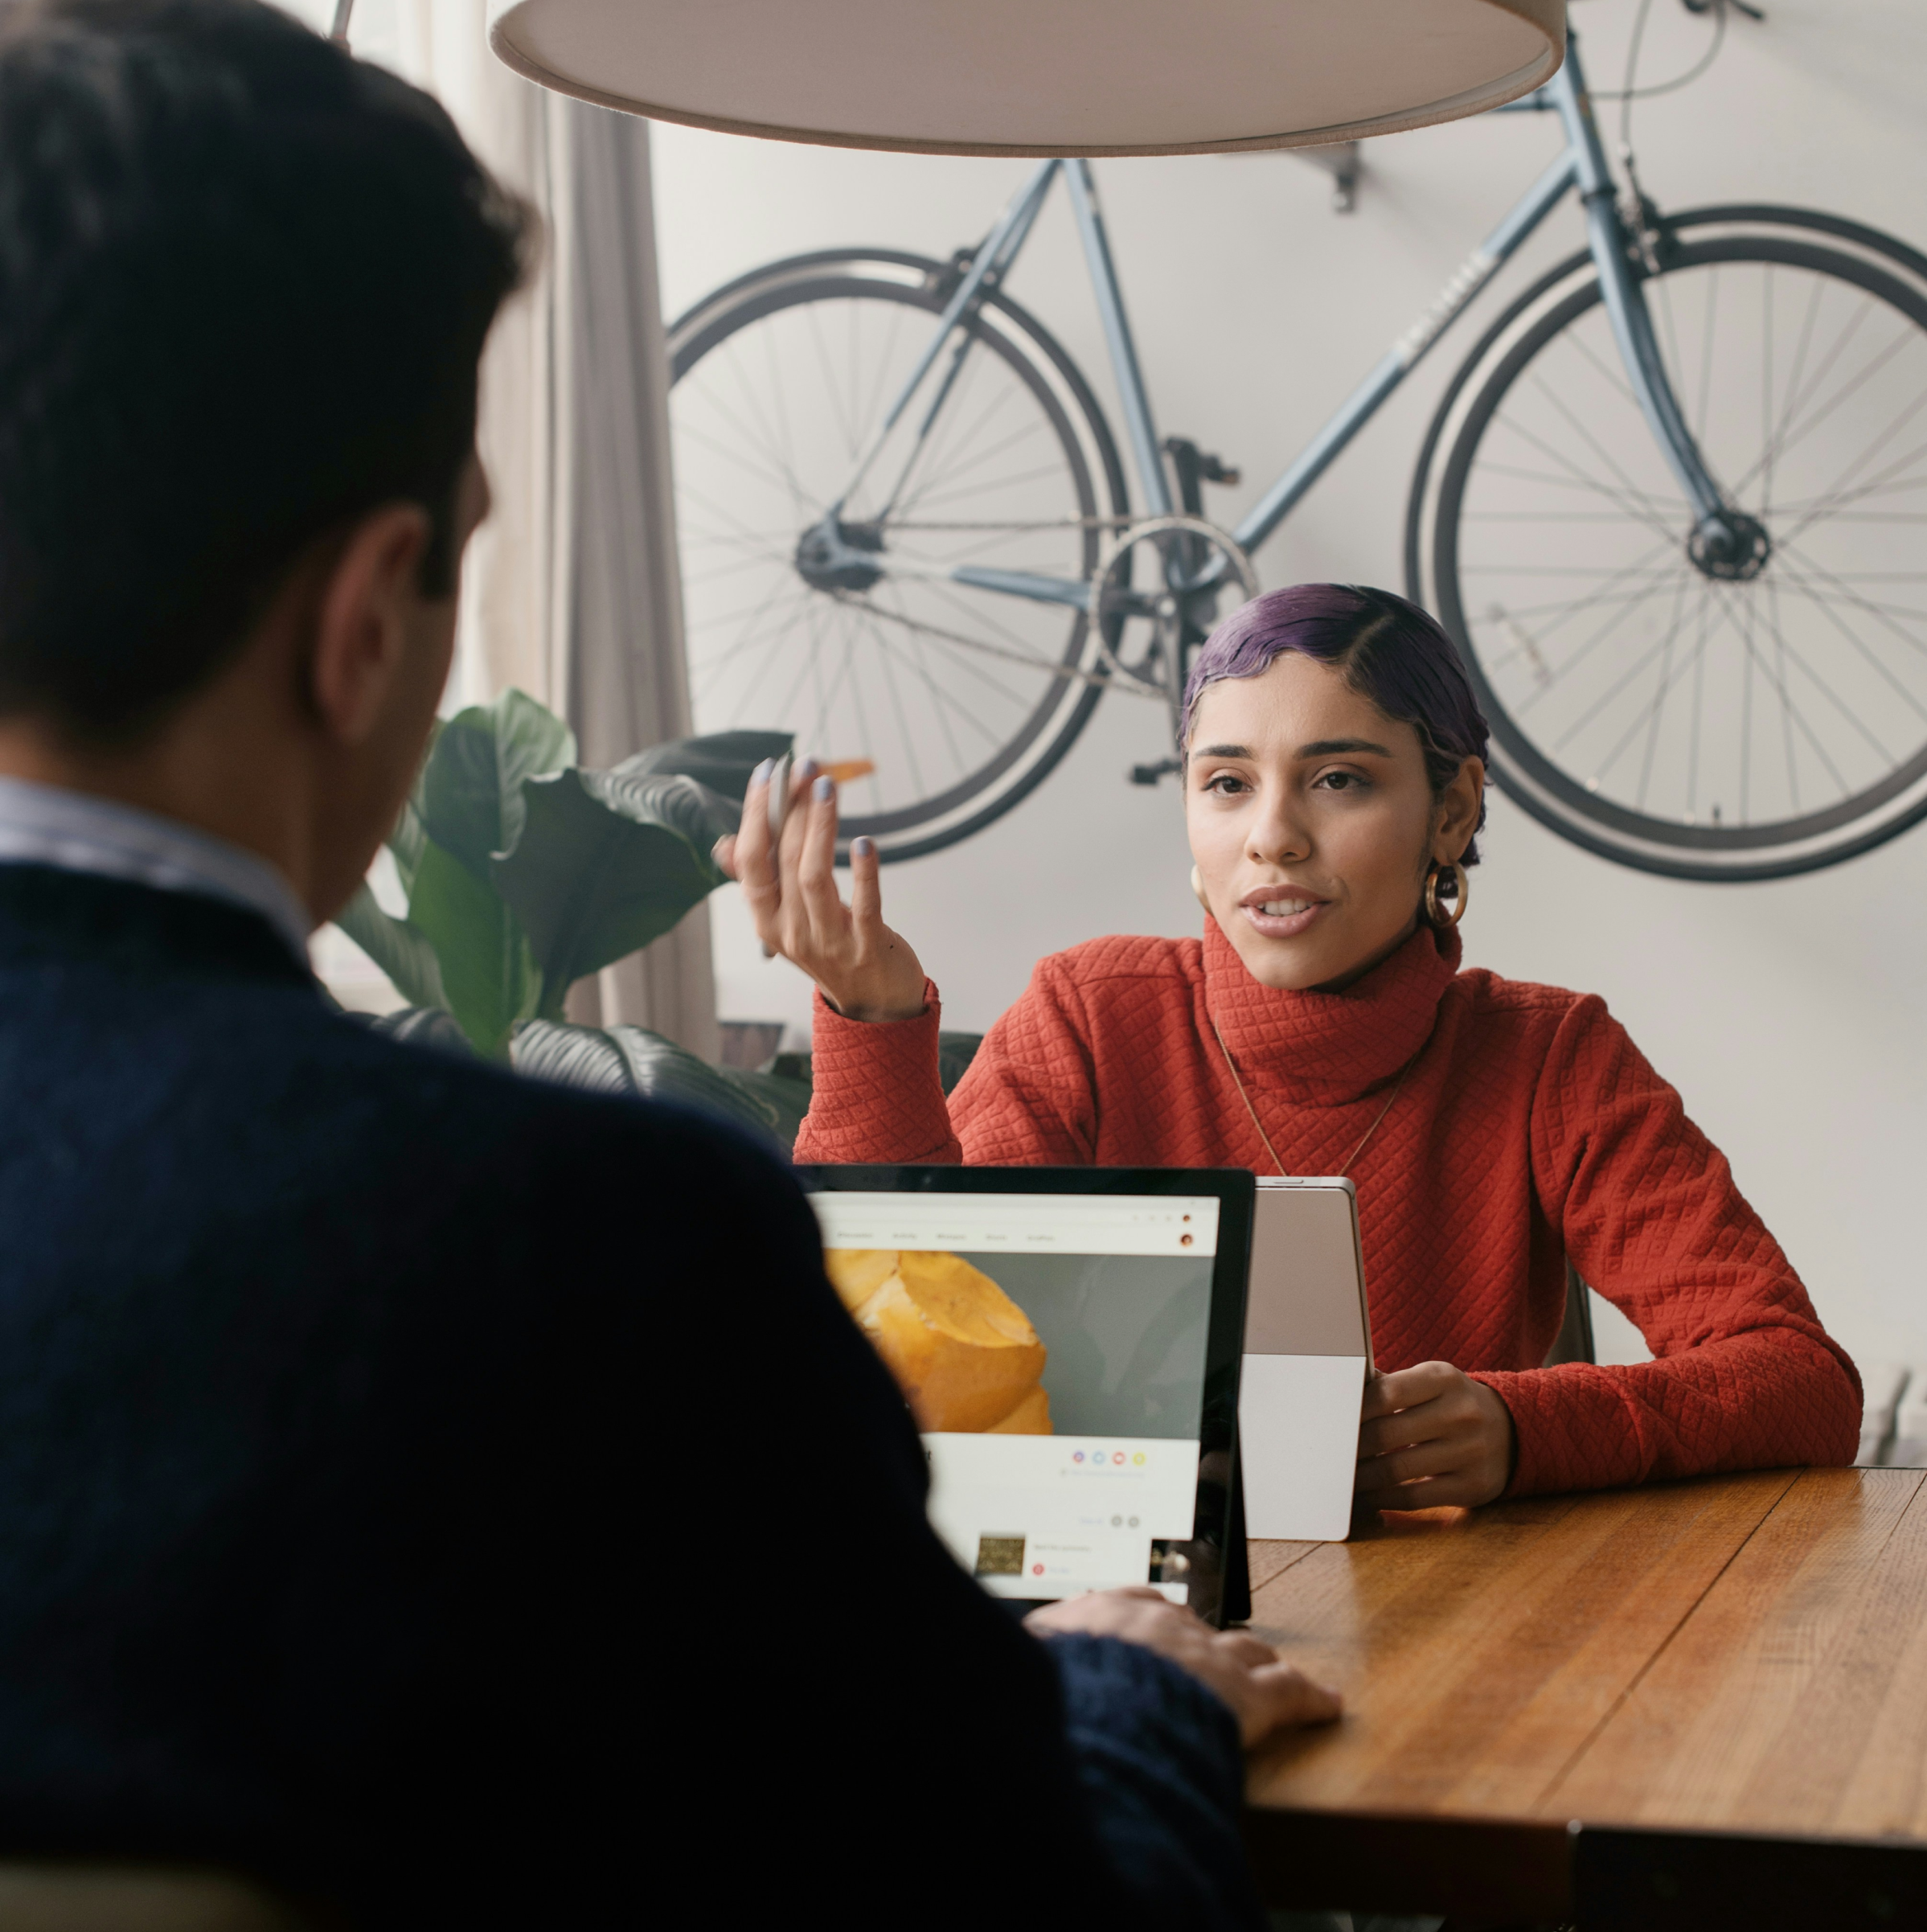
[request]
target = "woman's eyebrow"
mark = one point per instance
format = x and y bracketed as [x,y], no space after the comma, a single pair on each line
[1319,748]
[1331,747]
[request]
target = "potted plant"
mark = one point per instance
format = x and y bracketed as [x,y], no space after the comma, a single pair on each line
[524,873]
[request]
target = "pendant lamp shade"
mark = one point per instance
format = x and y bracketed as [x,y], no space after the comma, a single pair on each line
[1040,76]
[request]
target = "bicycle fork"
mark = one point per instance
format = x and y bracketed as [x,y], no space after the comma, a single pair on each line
[1724,541]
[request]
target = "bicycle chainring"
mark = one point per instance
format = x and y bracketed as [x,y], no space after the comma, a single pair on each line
[1197,563]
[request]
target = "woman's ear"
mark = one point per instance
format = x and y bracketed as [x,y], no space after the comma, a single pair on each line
[1458,810]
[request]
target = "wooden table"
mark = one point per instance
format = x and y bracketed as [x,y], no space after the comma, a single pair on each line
[1737,1654]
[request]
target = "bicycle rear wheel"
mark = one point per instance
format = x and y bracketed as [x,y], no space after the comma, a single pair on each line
[1711,720]
[960,700]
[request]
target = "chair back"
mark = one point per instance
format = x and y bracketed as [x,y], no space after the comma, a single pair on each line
[1574,1341]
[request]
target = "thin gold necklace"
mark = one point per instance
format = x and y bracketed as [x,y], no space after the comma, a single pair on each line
[1231,1067]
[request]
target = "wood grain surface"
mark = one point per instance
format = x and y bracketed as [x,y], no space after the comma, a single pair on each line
[1740,1653]
[1794,1699]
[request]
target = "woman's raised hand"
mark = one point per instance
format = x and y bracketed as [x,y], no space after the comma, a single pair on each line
[865,971]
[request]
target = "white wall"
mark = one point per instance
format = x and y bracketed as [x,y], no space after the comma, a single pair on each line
[1791,1014]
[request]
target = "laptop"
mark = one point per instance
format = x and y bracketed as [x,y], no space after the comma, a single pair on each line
[1307,1356]
[1069,1340]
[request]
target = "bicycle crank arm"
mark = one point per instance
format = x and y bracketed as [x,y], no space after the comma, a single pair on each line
[827,560]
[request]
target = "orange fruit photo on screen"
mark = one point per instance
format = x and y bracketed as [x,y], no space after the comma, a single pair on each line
[964,1353]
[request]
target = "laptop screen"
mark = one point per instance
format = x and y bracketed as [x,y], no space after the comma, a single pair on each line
[1053,1347]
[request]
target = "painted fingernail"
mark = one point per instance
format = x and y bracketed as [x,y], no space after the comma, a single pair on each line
[824,789]
[807,768]
[761,775]
[861,848]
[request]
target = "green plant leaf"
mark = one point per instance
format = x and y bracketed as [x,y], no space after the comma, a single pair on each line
[570,1057]
[722,759]
[405,841]
[607,862]
[398,946]
[489,976]
[789,1100]
[424,1027]
[954,1053]
[633,1061]
[662,1070]
[471,785]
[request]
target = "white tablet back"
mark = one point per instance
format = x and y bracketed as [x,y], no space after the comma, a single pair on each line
[1307,1351]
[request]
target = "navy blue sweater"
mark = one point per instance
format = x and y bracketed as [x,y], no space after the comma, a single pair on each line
[465,1499]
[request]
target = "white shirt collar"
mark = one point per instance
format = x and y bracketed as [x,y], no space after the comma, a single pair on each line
[77,832]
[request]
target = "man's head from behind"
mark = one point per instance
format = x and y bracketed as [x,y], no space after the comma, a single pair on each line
[244,283]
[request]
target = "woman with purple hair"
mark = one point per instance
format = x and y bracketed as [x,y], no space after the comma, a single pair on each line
[1334,790]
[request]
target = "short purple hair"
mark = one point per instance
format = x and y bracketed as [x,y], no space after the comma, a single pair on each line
[1385,648]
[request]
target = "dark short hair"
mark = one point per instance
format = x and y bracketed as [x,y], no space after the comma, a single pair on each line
[245,280]
[1384,647]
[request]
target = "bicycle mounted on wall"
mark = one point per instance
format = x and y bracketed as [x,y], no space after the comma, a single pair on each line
[1662,508]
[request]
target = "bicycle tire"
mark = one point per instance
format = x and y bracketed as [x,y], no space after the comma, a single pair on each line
[1761,238]
[1741,215]
[1064,399]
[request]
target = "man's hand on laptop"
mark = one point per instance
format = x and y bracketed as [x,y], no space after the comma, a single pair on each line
[1430,1435]
[1264,1693]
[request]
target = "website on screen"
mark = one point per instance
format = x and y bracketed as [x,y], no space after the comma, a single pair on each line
[1052,1349]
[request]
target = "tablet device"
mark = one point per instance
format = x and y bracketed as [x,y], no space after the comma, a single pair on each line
[1069,1340]
[1307,1353]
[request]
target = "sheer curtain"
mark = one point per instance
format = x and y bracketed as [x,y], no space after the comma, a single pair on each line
[570,589]
[626,682]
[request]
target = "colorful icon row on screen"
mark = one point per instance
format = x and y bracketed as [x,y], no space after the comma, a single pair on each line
[1100,1458]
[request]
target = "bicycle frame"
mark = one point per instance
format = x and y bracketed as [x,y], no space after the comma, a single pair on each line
[1581,166]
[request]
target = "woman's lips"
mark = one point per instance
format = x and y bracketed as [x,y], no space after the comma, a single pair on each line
[1282,914]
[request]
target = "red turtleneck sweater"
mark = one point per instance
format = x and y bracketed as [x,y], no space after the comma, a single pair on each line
[1528,1128]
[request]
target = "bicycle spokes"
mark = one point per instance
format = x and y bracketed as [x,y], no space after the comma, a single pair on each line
[1743,687]
[834,611]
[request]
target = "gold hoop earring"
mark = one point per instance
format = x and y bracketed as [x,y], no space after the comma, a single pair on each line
[1197,889]
[1461,891]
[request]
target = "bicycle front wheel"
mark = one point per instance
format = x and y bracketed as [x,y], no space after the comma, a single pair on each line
[1723,717]
[959,700]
